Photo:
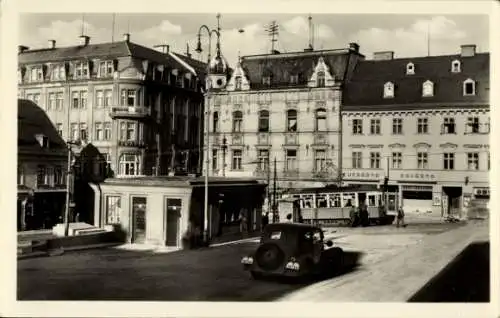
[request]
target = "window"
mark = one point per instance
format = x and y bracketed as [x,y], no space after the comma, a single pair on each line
[36,98]
[20,175]
[215,122]
[321,120]
[397,160]
[321,79]
[237,121]
[263,121]
[81,70]
[357,160]
[388,90]
[410,69]
[449,161]
[469,87]
[107,131]
[128,97]
[108,97]
[294,79]
[236,162]
[357,126]
[263,160]
[113,209]
[59,128]
[58,175]
[422,125]
[42,175]
[375,160]
[455,66]
[375,126]
[397,126]
[74,132]
[473,161]
[427,89]
[106,68]
[320,160]
[448,125]
[291,160]
[75,97]
[79,99]
[57,73]
[99,133]
[130,133]
[214,160]
[83,131]
[36,74]
[52,101]
[291,119]
[266,80]
[422,160]
[129,165]
[99,99]
[237,81]
[59,101]
[472,125]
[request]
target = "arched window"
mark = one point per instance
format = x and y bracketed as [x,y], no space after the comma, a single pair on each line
[455,66]
[320,119]
[237,81]
[291,120]
[263,121]
[427,89]
[469,87]
[129,164]
[215,122]
[321,79]
[410,69]
[237,121]
[388,90]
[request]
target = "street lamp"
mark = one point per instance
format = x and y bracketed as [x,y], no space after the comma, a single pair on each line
[210,32]
[68,181]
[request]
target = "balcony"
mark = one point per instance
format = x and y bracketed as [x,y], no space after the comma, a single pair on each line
[131,143]
[291,139]
[129,112]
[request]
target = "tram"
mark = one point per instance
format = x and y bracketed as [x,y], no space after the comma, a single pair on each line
[331,205]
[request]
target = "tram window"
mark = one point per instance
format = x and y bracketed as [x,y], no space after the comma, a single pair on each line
[348,199]
[372,200]
[321,201]
[334,200]
[308,202]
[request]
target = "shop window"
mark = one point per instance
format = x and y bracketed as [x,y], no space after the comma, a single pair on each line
[129,164]
[113,209]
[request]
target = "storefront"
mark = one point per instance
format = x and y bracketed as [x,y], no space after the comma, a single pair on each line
[159,210]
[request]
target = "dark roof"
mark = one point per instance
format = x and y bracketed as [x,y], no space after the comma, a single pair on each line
[32,120]
[283,65]
[181,181]
[366,86]
[106,50]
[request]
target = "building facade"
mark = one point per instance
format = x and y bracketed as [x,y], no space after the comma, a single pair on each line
[141,108]
[41,170]
[424,124]
[282,107]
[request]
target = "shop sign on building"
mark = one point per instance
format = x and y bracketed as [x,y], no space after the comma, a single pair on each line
[418,176]
[368,175]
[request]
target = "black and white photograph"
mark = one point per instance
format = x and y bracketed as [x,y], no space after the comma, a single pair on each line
[266,157]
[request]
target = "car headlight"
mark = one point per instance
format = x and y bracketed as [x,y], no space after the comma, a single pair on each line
[293,265]
[247,260]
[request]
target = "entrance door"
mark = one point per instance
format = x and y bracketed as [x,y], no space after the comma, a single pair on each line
[392,203]
[173,214]
[139,219]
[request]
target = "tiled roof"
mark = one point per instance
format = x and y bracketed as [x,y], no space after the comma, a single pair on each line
[366,86]
[105,50]
[283,65]
[33,120]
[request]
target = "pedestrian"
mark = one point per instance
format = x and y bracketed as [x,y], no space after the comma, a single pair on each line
[265,220]
[400,217]
[352,215]
[364,216]
[243,223]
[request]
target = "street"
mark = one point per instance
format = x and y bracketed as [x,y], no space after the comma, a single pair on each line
[213,274]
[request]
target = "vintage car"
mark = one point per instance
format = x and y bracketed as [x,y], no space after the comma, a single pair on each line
[293,250]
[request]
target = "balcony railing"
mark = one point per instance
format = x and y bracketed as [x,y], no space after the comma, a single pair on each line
[131,143]
[130,111]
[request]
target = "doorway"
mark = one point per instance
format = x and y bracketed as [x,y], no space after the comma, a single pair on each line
[171,219]
[139,220]
[454,201]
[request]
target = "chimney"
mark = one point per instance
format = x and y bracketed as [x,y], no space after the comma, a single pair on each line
[22,48]
[354,47]
[383,56]
[52,44]
[84,40]
[168,48]
[468,50]
[126,37]
[187,50]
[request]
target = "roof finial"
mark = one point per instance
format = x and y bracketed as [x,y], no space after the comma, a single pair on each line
[311,33]
[218,34]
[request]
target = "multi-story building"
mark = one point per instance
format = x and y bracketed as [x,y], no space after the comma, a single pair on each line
[41,169]
[283,107]
[423,123]
[140,108]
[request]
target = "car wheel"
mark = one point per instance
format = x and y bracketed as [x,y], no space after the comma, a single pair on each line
[256,275]
[337,258]
[269,256]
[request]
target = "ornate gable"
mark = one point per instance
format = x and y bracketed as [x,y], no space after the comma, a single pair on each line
[321,76]
[238,80]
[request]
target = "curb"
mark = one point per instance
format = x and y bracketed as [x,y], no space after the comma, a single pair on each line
[68,249]
[250,239]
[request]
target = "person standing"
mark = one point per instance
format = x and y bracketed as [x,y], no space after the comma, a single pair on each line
[265,220]
[352,216]
[401,217]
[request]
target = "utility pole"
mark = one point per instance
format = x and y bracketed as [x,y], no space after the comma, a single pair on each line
[68,181]
[273,31]
[275,217]
[268,161]
[224,148]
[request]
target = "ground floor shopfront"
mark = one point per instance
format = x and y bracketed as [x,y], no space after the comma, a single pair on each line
[161,210]
[39,209]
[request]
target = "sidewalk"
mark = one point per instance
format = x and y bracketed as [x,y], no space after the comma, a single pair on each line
[396,275]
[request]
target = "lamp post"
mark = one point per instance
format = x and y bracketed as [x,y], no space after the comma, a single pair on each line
[210,32]
[68,181]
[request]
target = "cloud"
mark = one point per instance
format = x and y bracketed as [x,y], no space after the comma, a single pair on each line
[299,26]
[445,37]
[165,28]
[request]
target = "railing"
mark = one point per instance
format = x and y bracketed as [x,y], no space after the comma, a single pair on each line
[130,110]
[131,143]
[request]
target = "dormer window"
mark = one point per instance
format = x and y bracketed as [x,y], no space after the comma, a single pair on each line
[294,79]
[427,89]
[36,74]
[469,87]
[19,76]
[321,79]
[106,68]
[410,69]
[388,90]
[43,140]
[266,80]
[81,70]
[455,66]
[237,82]
[58,73]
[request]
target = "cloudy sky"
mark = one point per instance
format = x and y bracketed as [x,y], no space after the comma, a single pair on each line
[406,35]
